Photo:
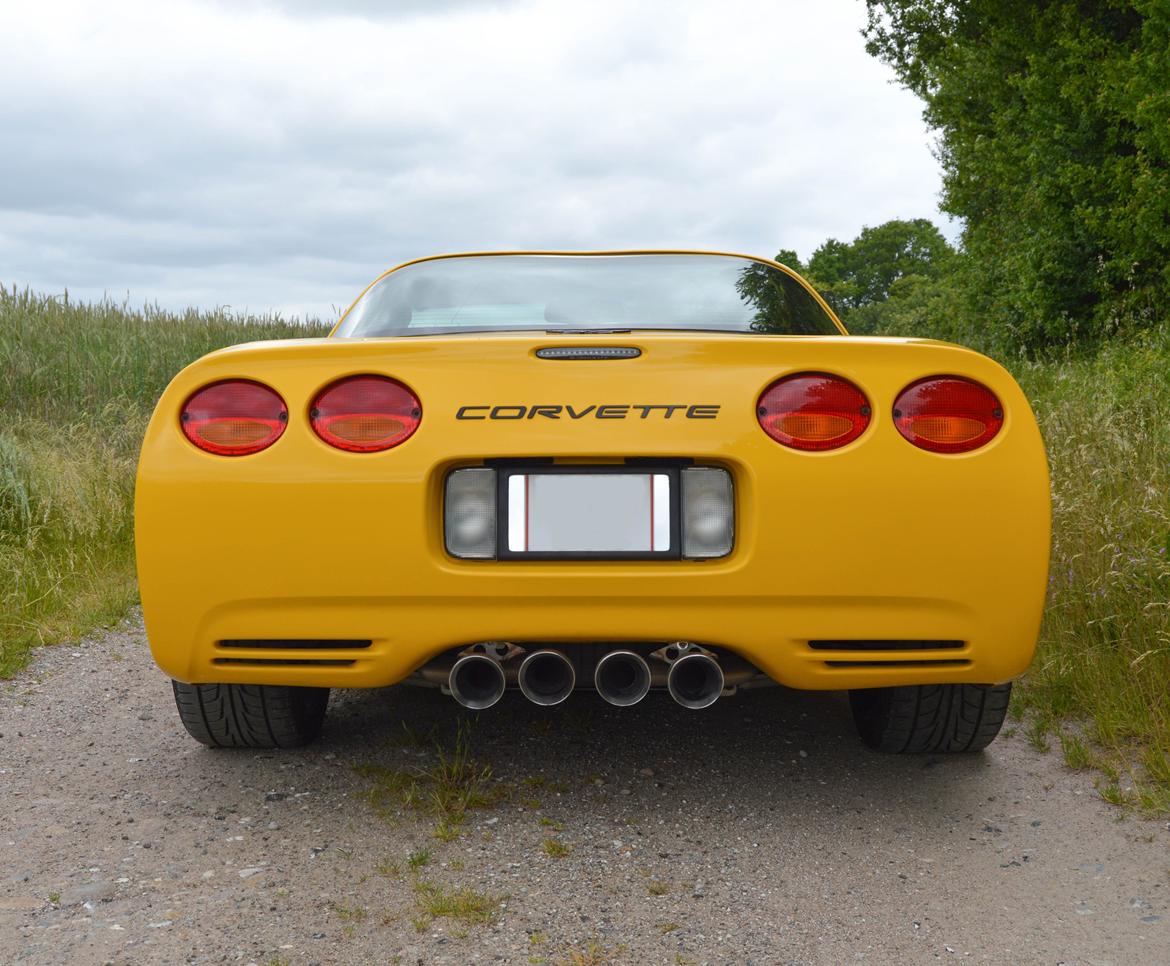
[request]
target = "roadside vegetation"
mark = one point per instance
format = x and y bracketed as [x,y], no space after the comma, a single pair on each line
[1103,668]
[77,385]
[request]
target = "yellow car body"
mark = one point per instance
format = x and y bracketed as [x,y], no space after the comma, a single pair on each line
[877,541]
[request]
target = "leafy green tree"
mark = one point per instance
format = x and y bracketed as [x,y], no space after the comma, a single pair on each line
[1054,137]
[861,272]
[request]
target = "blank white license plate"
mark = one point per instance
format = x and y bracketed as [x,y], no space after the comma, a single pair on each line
[589,513]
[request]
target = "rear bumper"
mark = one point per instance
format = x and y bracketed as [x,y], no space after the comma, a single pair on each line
[773,633]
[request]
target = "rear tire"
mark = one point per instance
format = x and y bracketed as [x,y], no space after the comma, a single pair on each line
[917,719]
[251,715]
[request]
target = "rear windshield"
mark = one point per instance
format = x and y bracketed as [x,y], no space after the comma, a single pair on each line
[508,293]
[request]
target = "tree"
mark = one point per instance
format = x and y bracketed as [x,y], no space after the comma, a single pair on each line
[862,272]
[1054,136]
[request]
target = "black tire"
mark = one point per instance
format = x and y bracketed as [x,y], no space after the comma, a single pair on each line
[251,715]
[930,718]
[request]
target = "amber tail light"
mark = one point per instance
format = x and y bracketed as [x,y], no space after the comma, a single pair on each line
[813,411]
[948,414]
[365,414]
[234,417]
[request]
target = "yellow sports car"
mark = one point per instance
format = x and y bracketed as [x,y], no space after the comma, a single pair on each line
[609,472]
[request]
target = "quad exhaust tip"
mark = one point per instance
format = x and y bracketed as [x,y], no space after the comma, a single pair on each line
[622,678]
[546,677]
[477,682]
[695,680]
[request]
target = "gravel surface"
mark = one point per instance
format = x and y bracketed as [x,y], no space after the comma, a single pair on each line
[756,832]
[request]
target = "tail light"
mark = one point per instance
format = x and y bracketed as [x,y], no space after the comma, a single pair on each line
[813,411]
[947,414]
[234,417]
[365,414]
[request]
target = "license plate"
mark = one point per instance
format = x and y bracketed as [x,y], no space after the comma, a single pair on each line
[590,513]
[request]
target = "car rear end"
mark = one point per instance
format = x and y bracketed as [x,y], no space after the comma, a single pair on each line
[877,540]
[750,508]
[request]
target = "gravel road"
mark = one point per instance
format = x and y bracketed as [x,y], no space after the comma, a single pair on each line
[756,832]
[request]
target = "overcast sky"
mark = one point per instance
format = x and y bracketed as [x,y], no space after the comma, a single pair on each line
[278,154]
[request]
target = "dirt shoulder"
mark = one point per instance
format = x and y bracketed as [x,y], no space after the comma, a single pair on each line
[756,832]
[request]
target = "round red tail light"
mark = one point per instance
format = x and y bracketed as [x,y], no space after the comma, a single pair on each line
[948,414]
[365,414]
[234,417]
[813,411]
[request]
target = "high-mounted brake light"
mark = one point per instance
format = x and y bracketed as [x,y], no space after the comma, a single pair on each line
[365,414]
[813,411]
[948,414]
[234,417]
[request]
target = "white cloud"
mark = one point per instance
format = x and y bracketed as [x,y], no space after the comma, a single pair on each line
[277,154]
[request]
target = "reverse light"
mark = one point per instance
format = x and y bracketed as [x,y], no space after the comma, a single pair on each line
[469,520]
[365,414]
[813,411]
[948,414]
[234,417]
[708,510]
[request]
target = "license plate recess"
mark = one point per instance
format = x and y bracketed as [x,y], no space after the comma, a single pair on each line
[608,512]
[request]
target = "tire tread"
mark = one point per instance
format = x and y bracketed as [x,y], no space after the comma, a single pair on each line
[930,718]
[251,715]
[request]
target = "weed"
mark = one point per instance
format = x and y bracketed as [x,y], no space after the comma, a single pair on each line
[1037,732]
[594,954]
[665,927]
[1113,794]
[390,869]
[418,859]
[1076,753]
[657,888]
[446,790]
[348,913]
[463,905]
[552,823]
[555,848]
[449,828]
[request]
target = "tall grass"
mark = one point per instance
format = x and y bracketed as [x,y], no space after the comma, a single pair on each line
[77,384]
[1104,654]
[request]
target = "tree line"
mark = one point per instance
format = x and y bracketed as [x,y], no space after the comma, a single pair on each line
[1053,132]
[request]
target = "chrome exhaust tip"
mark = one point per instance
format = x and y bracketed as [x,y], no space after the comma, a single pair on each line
[622,678]
[476,682]
[695,681]
[546,677]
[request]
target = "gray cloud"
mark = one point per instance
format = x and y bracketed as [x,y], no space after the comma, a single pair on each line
[264,156]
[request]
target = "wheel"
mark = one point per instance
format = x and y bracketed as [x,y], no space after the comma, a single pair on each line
[251,715]
[930,717]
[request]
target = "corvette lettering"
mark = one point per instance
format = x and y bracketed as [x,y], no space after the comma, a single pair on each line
[592,411]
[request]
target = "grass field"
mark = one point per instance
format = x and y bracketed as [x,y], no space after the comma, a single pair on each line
[77,383]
